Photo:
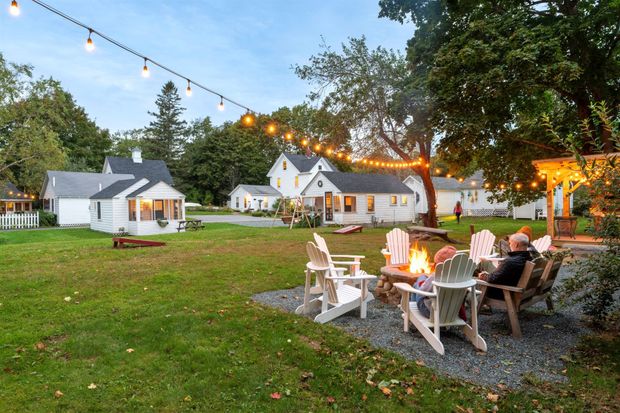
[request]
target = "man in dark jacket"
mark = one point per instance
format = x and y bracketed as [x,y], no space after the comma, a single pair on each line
[509,270]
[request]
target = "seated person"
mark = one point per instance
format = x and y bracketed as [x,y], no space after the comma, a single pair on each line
[504,246]
[508,271]
[425,283]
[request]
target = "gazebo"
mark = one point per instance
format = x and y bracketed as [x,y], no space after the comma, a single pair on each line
[565,171]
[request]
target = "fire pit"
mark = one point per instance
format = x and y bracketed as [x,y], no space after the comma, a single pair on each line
[407,272]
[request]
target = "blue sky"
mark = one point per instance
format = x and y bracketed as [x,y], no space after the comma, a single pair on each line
[242,49]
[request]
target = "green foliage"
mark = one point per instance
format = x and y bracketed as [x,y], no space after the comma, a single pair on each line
[582,201]
[47,219]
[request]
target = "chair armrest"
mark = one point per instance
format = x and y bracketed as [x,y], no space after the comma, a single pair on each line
[500,286]
[349,263]
[348,256]
[462,251]
[385,251]
[352,278]
[406,287]
[462,284]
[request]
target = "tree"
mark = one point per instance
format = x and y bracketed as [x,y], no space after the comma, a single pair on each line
[376,99]
[495,66]
[167,132]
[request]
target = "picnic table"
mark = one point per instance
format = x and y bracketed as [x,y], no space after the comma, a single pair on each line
[193,224]
[441,233]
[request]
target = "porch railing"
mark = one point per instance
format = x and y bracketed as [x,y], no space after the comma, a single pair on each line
[19,221]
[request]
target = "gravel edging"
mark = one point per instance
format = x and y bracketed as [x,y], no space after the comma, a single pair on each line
[546,338]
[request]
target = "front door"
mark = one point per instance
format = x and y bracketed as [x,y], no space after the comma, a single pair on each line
[329,207]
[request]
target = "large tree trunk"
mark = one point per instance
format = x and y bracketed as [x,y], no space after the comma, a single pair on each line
[431,199]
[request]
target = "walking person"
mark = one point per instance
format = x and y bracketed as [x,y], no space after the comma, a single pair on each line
[458,210]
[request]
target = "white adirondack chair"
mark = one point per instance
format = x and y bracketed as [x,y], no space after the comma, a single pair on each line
[481,245]
[398,244]
[335,299]
[453,282]
[354,264]
[542,244]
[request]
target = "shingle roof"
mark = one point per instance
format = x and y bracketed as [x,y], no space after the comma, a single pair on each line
[261,189]
[81,184]
[153,170]
[476,181]
[6,187]
[143,188]
[367,183]
[115,189]
[305,163]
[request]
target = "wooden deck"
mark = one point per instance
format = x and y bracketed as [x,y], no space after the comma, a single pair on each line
[579,239]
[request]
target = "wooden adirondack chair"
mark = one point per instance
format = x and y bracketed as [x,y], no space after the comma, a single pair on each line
[534,285]
[354,264]
[397,251]
[453,282]
[335,299]
[481,245]
[542,244]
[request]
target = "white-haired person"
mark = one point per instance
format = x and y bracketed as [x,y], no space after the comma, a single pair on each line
[508,272]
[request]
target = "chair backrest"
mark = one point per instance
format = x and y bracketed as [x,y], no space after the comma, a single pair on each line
[549,275]
[542,244]
[398,245]
[319,259]
[454,270]
[481,244]
[320,242]
[530,279]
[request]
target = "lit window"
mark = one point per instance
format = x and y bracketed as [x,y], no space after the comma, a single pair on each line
[146,210]
[284,165]
[403,199]
[349,204]
[371,203]
[158,209]
[393,200]
[336,203]
[297,182]
[132,209]
[279,182]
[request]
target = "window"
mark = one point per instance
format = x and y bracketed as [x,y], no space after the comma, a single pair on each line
[158,209]
[371,203]
[279,182]
[237,202]
[349,204]
[320,167]
[245,203]
[176,205]
[403,199]
[393,200]
[296,181]
[284,165]
[52,204]
[336,203]
[146,210]
[132,209]
[18,206]
[99,210]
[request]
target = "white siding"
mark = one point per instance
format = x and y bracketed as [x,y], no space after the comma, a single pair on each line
[105,224]
[72,211]
[242,194]
[287,178]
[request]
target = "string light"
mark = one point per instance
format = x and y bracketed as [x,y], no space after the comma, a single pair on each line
[534,184]
[304,142]
[271,129]
[188,91]
[248,119]
[145,70]
[317,147]
[14,8]
[90,46]
[220,107]
[518,186]
[289,136]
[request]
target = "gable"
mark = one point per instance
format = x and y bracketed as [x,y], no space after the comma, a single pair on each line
[153,170]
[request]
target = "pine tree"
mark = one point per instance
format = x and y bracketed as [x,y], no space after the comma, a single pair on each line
[166,133]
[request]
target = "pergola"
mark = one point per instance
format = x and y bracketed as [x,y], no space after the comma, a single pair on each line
[563,171]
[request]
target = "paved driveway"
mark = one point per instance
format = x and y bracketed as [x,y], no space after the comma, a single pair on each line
[245,220]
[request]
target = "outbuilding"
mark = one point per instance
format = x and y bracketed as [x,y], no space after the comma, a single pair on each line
[254,197]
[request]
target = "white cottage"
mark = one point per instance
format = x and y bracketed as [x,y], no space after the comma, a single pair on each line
[253,197]
[351,198]
[137,206]
[291,172]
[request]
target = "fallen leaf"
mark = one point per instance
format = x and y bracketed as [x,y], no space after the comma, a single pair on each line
[371,383]
[409,390]
[330,400]
[548,326]
[40,346]
[276,396]
[502,386]
[76,292]
[364,397]
[386,391]
[420,363]
[187,398]
[492,397]
[130,350]
[596,368]
[68,298]
[58,394]
[92,386]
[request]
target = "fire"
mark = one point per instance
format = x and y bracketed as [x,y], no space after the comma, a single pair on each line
[419,260]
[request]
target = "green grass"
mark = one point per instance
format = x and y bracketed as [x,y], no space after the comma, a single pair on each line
[201,344]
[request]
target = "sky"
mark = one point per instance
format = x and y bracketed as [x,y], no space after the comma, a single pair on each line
[242,49]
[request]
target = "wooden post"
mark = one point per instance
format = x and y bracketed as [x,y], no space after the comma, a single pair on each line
[550,203]
[472,231]
[566,197]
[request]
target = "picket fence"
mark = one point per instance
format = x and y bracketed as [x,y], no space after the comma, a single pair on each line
[19,221]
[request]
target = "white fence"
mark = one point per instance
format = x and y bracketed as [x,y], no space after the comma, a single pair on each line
[19,221]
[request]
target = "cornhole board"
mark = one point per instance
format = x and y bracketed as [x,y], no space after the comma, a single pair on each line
[120,242]
[349,230]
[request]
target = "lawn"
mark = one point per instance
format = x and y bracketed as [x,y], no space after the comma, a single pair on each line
[174,329]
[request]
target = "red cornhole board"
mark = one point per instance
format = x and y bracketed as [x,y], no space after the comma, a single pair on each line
[349,230]
[120,242]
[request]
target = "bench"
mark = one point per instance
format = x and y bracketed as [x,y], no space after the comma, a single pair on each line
[441,233]
[194,224]
[120,242]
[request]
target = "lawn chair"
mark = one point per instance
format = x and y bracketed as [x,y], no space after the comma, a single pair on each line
[335,299]
[542,244]
[397,251]
[354,265]
[534,285]
[481,245]
[453,282]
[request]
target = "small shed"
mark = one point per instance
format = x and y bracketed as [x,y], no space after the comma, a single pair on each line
[253,197]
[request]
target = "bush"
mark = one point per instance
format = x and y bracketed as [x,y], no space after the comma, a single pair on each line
[258,214]
[581,202]
[47,219]
[315,220]
[210,209]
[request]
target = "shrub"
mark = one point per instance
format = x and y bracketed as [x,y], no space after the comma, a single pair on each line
[47,219]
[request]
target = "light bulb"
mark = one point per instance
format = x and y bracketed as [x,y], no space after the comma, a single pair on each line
[248,119]
[145,70]
[188,91]
[14,9]
[90,45]
[221,107]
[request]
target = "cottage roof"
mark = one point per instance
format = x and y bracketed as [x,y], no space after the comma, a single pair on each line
[115,189]
[260,189]
[366,183]
[153,170]
[305,163]
[8,190]
[80,184]
[476,181]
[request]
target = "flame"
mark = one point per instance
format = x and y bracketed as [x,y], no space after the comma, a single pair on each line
[419,260]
